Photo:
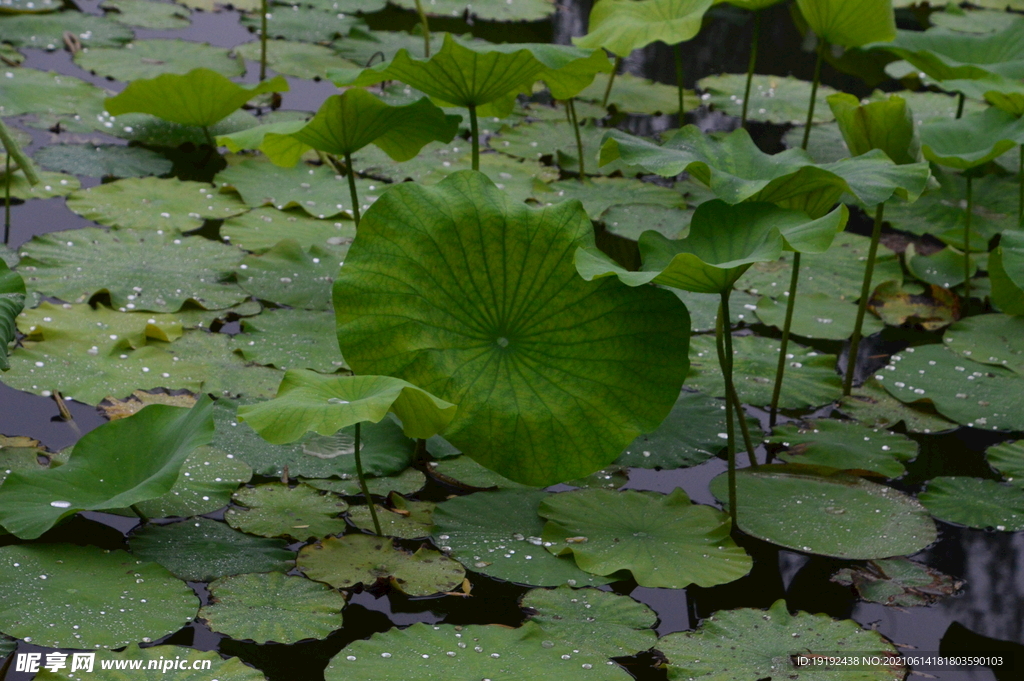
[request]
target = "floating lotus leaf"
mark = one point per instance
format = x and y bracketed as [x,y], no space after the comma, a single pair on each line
[944,268]
[407,482]
[973,140]
[29,6]
[231,669]
[200,97]
[845,445]
[104,471]
[67,596]
[931,307]
[290,58]
[463,471]
[103,160]
[46,31]
[272,607]
[139,270]
[304,24]
[152,58]
[205,483]
[25,90]
[261,229]
[885,124]
[969,21]
[107,329]
[600,193]
[528,396]
[945,55]
[290,339]
[632,220]
[1006,269]
[408,519]
[606,623]
[48,185]
[21,453]
[147,14]
[156,132]
[622,26]
[899,582]
[810,380]
[827,512]
[816,315]
[1008,459]
[989,339]
[482,530]
[114,409]
[200,550]
[361,45]
[12,300]
[489,10]
[557,139]
[840,23]
[154,203]
[288,275]
[975,503]
[363,559]
[633,94]
[703,308]
[773,99]
[276,510]
[211,358]
[737,645]
[871,405]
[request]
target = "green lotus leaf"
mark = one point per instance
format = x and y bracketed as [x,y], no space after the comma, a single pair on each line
[944,268]
[463,471]
[898,581]
[826,145]
[622,26]
[1004,93]
[957,18]
[201,97]
[260,229]
[961,389]
[290,58]
[975,503]
[973,140]
[633,94]
[408,481]
[12,300]
[288,275]
[488,10]
[606,623]
[21,453]
[147,14]
[601,193]
[1008,459]
[211,359]
[104,471]
[363,559]
[810,380]
[845,445]
[871,405]
[103,160]
[886,124]
[156,132]
[252,137]
[408,519]
[773,99]
[48,185]
[67,596]
[1006,269]
[360,45]
[482,530]
[277,510]
[816,315]
[308,401]
[632,220]
[736,645]
[827,512]
[106,329]
[557,139]
[272,607]
[205,483]
[30,6]
[200,550]
[349,6]
[10,55]
[290,339]
[567,71]
[851,25]
[154,203]
[994,339]
[231,669]
[152,58]
[43,92]
[752,5]
[46,31]
[11,142]
[514,393]
[663,540]
[303,24]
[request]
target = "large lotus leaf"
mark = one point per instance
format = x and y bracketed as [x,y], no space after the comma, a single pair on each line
[200,97]
[25,90]
[290,339]
[946,55]
[304,24]
[151,58]
[850,24]
[1008,459]
[290,58]
[961,389]
[205,483]
[738,645]
[816,315]
[67,596]
[46,31]
[690,435]
[462,471]
[633,94]
[231,669]
[105,471]
[773,99]
[810,380]
[490,10]
[1006,269]
[103,160]
[261,229]
[48,185]
[663,540]
[989,339]
[147,14]
[200,550]
[845,445]
[975,503]
[12,300]
[211,358]
[898,581]
[499,534]
[363,559]
[832,513]
[871,405]
[498,329]
[272,607]
[601,193]
[407,520]
[622,26]
[154,203]
[606,623]
[276,510]
[100,329]
[408,481]
[308,401]
[139,270]
[557,139]
[886,124]
[973,140]
[288,275]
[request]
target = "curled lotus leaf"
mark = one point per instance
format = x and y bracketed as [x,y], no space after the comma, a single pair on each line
[12,300]
[973,140]
[850,24]
[622,26]
[1006,269]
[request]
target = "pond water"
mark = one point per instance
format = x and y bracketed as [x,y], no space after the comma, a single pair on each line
[987,615]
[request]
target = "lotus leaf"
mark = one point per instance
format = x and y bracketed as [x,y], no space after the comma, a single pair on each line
[607,623]
[556,139]
[147,14]
[636,95]
[874,407]
[632,220]
[408,519]
[212,360]
[231,669]
[827,512]
[288,275]
[975,503]
[816,315]
[973,140]
[499,534]
[46,31]
[360,46]
[46,601]
[25,90]
[622,26]
[205,483]
[463,471]
[663,540]
[969,21]
[276,510]
[851,25]
[989,339]
[10,56]
[200,97]
[302,60]
[12,300]
[886,124]
[931,307]
[151,58]
[362,559]
[491,10]
[736,645]
[1008,459]
[303,24]
[156,132]
[109,330]
[261,229]
[773,99]
[944,268]
[287,338]
[48,185]
[845,445]
[898,581]
[407,482]
[103,160]
[21,453]
[1006,269]
[29,6]
[945,55]
[272,607]
[599,194]
[200,550]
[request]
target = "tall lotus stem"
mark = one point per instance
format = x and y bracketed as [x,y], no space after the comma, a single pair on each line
[780,369]
[353,193]
[751,65]
[960,106]
[862,305]
[426,30]
[263,40]
[678,51]
[474,133]
[967,243]
[731,393]
[1020,198]
[611,81]
[726,365]
[362,484]
[814,93]
[7,200]
[570,107]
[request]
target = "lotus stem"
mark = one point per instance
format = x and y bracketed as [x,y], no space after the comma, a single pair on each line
[142,516]
[570,107]
[209,137]
[611,81]
[960,106]
[1020,182]
[474,133]
[814,93]
[426,30]
[751,65]
[726,366]
[7,200]
[967,243]
[780,370]
[865,295]
[352,187]
[731,393]
[362,483]
[263,40]
[678,52]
